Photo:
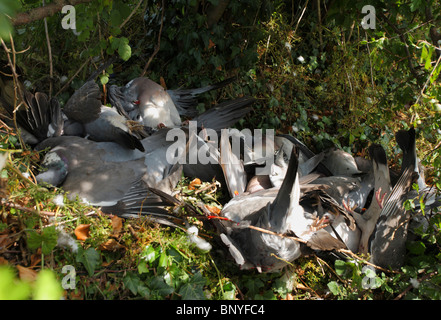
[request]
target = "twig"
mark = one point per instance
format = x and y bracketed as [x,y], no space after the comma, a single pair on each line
[73,77]
[131,14]
[301,16]
[22,208]
[42,12]
[49,52]
[16,86]
[67,221]
[345,251]
[426,276]
[155,52]
[428,79]
[406,47]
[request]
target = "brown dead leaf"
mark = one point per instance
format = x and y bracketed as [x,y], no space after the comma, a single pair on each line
[211,44]
[35,259]
[213,209]
[194,183]
[82,232]
[26,273]
[3,261]
[117,224]
[110,245]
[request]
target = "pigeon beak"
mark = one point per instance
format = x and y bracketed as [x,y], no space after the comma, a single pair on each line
[136,102]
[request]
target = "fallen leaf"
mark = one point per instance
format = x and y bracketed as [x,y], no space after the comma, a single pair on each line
[211,44]
[35,259]
[117,224]
[3,261]
[26,273]
[110,245]
[213,209]
[194,183]
[82,232]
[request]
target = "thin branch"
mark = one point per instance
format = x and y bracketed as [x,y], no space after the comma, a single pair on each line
[23,208]
[17,89]
[159,42]
[406,47]
[49,51]
[43,12]
[73,77]
[131,14]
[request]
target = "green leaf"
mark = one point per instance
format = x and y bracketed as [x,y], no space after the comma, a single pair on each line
[254,285]
[125,52]
[104,78]
[340,267]
[12,288]
[229,291]
[46,240]
[7,8]
[90,258]
[149,254]
[163,260]
[158,286]
[416,247]
[334,287]
[135,285]
[194,289]
[47,286]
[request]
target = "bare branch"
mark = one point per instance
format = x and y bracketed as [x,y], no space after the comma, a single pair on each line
[43,12]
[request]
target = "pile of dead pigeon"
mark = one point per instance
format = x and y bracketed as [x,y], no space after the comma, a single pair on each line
[126,160]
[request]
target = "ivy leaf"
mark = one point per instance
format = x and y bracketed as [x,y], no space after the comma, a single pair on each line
[254,285]
[135,285]
[194,289]
[90,258]
[158,286]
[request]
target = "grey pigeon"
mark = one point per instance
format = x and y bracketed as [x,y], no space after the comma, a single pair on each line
[100,123]
[382,185]
[277,210]
[147,102]
[388,245]
[38,117]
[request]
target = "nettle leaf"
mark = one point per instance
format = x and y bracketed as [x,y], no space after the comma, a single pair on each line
[46,240]
[90,258]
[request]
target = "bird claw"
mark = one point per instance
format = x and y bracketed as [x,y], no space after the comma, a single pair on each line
[347,208]
[320,223]
[380,198]
[161,125]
